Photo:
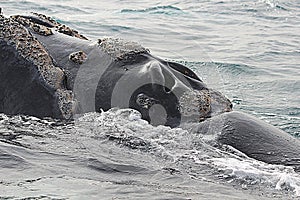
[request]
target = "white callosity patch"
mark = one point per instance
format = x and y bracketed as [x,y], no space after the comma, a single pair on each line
[37,28]
[61,28]
[120,49]
[195,103]
[30,49]
[78,57]
[145,101]
[219,103]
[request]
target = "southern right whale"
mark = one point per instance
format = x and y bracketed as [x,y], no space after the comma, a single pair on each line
[49,69]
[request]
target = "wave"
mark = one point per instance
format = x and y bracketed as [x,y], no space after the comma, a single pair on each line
[67,9]
[239,69]
[168,10]
[231,68]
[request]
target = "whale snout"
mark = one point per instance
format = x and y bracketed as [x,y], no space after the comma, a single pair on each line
[219,103]
[171,94]
[164,92]
[198,105]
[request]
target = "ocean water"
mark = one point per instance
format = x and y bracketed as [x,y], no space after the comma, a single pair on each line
[248,50]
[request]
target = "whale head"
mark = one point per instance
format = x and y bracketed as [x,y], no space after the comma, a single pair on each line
[166,93]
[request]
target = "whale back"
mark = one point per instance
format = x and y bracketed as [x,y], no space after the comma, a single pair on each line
[254,137]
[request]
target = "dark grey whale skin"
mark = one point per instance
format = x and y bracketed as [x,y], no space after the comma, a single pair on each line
[18,81]
[253,137]
[27,87]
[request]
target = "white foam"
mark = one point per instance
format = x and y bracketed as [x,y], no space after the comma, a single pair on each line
[177,143]
[255,172]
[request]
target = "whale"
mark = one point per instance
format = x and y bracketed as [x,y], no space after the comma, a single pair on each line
[253,137]
[48,69]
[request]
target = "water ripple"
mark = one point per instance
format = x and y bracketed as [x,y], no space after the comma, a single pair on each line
[167,10]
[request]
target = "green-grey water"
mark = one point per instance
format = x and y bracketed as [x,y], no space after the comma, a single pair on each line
[249,50]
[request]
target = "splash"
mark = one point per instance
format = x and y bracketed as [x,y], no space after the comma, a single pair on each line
[249,173]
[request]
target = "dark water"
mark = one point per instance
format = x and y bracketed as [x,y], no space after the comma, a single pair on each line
[249,50]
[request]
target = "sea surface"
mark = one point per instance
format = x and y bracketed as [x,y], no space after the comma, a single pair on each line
[247,49]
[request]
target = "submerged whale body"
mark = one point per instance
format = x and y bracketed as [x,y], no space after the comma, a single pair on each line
[50,70]
[254,137]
